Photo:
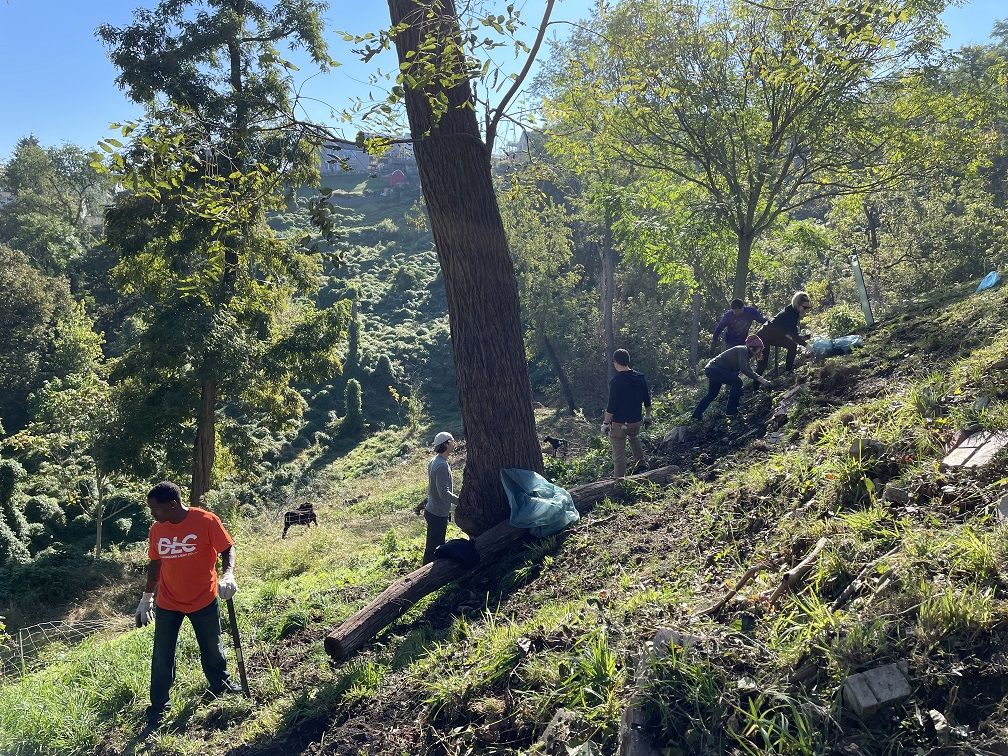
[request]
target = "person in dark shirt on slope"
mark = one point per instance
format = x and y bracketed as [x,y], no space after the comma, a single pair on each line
[725,369]
[628,392]
[735,324]
[782,331]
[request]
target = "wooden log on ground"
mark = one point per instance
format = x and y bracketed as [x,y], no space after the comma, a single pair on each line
[799,571]
[385,608]
[743,581]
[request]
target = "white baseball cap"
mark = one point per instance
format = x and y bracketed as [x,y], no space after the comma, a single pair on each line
[441,437]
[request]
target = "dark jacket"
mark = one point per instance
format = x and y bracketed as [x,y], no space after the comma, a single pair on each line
[734,360]
[784,325]
[628,390]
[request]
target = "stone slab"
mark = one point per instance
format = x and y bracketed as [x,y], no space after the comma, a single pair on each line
[976,449]
[867,692]
[1002,508]
[859,697]
[665,637]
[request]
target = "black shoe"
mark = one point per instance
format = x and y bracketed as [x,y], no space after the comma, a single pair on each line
[229,687]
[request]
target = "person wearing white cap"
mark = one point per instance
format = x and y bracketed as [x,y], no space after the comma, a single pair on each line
[440,494]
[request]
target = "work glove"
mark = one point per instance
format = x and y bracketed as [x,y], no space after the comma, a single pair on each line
[807,349]
[419,508]
[227,587]
[145,610]
[647,421]
[604,430]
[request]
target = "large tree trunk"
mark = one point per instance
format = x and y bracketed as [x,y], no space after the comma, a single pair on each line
[205,447]
[560,374]
[745,242]
[495,394]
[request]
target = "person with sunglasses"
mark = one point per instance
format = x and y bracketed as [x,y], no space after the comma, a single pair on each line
[782,331]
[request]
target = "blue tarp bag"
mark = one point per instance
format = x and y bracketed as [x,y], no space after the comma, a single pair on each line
[542,507]
[989,280]
[823,347]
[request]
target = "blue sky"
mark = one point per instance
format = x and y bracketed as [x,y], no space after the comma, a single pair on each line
[56,81]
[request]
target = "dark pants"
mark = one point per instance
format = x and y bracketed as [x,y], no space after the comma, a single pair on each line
[437,527]
[207,627]
[716,378]
[776,339]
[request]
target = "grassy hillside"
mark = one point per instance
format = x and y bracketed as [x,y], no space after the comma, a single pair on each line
[483,665]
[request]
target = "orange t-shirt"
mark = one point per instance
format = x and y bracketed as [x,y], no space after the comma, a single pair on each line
[188,552]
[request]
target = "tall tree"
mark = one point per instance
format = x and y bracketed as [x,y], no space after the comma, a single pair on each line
[212,162]
[495,393]
[766,107]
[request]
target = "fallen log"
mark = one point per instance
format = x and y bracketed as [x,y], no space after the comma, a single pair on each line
[793,576]
[743,581]
[385,608]
[857,583]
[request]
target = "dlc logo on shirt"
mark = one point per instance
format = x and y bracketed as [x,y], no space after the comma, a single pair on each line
[176,547]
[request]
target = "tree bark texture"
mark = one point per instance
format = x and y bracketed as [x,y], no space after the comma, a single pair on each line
[99,510]
[384,609]
[745,242]
[495,393]
[99,521]
[205,448]
[560,374]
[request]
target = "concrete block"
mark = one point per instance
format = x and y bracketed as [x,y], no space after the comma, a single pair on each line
[976,450]
[859,697]
[867,692]
[1002,508]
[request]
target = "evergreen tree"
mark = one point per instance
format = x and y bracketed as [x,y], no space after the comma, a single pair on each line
[224,309]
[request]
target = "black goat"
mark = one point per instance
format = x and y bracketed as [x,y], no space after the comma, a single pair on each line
[556,443]
[303,515]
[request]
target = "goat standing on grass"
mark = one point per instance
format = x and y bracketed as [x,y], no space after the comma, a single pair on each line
[303,515]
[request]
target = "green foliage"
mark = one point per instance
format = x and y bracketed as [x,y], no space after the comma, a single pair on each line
[842,319]
[226,301]
[31,311]
[352,362]
[56,575]
[353,422]
[741,101]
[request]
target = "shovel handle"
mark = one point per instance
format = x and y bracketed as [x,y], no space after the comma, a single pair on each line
[239,654]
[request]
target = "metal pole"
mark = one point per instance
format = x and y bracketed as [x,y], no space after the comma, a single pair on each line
[862,292]
[239,655]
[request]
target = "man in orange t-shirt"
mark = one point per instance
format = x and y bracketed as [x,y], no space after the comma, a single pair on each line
[183,548]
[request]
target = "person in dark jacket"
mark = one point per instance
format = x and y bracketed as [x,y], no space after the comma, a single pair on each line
[735,324]
[782,331]
[628,392]
[725,369]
